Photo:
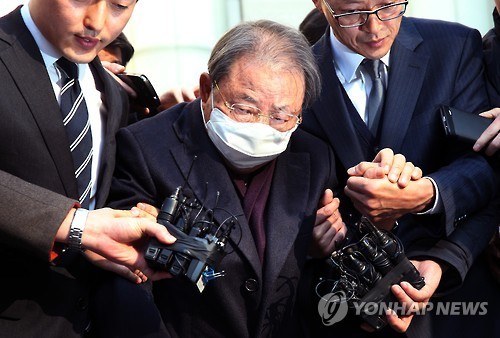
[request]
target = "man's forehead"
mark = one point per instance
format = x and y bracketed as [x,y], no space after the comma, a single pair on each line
[352,2]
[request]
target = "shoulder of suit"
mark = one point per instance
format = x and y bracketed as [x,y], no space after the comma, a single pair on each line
[302,140]
[12,28]
[435,27]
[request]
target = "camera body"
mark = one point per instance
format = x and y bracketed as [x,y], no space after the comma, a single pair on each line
[365,270]
[200,243]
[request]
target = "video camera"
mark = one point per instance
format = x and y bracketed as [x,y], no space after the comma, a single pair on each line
[364,271]
[200,243]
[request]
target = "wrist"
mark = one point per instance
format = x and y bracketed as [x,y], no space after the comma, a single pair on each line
[76,229]
[427,195]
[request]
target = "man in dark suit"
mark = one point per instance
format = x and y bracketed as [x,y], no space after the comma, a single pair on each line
[251,163]
[445,218]
[46,287]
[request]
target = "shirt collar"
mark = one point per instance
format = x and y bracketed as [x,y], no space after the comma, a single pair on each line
[348,61]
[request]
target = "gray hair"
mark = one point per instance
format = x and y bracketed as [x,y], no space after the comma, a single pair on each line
[267,41]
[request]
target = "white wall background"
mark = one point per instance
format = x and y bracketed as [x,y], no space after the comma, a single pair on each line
[173,38]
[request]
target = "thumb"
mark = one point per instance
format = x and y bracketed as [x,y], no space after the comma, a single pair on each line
[326,198]
[156,230]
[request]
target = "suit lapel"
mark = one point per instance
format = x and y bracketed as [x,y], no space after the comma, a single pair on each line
[39,97]
[406,75]
[288,195]
[209,176]
[117,110]
[332,112]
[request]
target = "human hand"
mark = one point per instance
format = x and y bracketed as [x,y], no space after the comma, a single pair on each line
[178,95]
[136,276]
[383,202]
[490,137]
[120,237]
[329,230]
[145,210]
[414,300]
[386,163]
[115,68]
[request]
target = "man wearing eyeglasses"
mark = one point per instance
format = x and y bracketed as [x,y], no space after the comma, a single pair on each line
[384,78]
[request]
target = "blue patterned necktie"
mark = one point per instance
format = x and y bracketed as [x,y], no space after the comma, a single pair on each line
[77,124]
[375,101]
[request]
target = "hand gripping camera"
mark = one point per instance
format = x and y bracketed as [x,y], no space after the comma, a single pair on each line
[365,270]
[200,240]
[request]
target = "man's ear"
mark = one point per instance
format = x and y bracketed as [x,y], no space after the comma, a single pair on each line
[205,87]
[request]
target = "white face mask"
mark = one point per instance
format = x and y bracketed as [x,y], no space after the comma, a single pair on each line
[245,144]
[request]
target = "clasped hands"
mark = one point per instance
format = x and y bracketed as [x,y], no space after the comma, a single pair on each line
[375,188]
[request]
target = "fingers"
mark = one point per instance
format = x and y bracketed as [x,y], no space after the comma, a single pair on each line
[130,92]
[409,172]
[145,210]
[339,237]
[326,198]
[410,304]
[138,273]
[490,136]
[396,168]
[177,95]
[385,157]
[367,169]
[398,323]
[153,229]
[491,114]
[329,230]
[326,238]
[327,207]
[417,174]
[114,68]
[386,163]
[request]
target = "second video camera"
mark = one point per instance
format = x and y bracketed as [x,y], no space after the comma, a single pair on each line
[365,270]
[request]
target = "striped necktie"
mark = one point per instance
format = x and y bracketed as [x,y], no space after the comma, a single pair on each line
[376,98]
[77,124]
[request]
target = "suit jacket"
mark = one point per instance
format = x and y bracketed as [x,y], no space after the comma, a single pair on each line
[491,48]
[431,63]
[35,149]
[156,155]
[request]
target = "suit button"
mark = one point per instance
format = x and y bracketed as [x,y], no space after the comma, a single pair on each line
[81,304]
[251,285]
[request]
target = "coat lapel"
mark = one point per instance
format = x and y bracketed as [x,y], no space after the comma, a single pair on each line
[117,110]
[288,195]
[407,70]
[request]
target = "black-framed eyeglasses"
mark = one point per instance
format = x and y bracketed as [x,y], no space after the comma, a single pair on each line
[281,121]
[359,18]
